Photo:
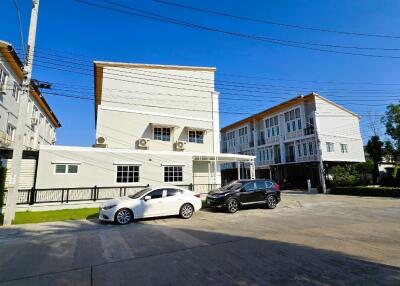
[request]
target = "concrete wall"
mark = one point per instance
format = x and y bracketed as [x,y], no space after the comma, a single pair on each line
[338,126]
[43,133]
[134,100]
[97,166]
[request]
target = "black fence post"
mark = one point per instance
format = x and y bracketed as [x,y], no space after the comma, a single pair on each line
[125,191]
[120,191]
[95,193]
[191,186]
[67,199]
[32,197]
[62,196]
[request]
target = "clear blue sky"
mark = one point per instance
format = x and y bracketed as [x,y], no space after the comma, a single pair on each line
[89,33]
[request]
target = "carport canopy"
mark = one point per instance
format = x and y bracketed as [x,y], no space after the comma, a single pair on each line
[228,158]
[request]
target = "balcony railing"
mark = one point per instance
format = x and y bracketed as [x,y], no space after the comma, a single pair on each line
[290,159]
[261,142]
[308,131]
[5,139]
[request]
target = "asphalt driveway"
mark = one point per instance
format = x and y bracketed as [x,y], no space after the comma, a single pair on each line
[307,240]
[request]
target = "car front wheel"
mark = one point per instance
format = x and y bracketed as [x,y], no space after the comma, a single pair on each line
[186,211]
[271,202]
[232,206]
[123,216]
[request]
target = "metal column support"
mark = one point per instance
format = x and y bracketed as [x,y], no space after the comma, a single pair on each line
[238,169]
[252,169]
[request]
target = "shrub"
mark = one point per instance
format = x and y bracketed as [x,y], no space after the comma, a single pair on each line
[367,191]
[341,176]
[3,173]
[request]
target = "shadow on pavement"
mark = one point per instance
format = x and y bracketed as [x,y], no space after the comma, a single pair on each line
[144,254]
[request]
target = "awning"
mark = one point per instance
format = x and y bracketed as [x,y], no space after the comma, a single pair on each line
[198,128]
[163,125]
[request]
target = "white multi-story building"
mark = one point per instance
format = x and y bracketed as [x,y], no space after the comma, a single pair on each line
[289,140]
[155,124]
[41,124]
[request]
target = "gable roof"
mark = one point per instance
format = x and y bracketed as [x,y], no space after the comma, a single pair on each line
[9,54]
[282,106]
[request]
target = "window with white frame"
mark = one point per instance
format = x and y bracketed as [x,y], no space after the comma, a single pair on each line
[162,133]
[299,150]
[272,126]
[127,174]
[293,120]
[10,131]
[311,148]
[196,136]
[230,139]
[305,151]
[28,106]
[343,148]
[330,147]
[35,112]
[243,138]
[15,91]
[66,168]
[173,173]
[3,78]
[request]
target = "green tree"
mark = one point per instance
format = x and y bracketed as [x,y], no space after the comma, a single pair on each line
[375,151]
[392,124]
[342,176]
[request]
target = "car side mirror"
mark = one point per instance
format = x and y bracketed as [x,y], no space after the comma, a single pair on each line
[146,198]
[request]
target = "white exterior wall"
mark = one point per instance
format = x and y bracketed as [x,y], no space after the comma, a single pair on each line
[130,107]
[97,166]
[338,126]
[43,133]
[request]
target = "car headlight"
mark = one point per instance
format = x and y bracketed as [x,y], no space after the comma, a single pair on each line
[108,207]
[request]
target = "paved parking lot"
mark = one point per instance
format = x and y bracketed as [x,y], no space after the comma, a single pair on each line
[307,240]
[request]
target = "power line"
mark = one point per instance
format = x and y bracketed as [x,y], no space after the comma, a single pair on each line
[326,114]
[160,18]
[269,22]
[221,85]
[80,57]
[275,39]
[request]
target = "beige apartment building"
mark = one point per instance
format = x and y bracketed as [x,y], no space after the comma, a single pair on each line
[41,125]
[155,124]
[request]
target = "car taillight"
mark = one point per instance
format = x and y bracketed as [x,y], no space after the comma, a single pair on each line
[277,187]
[197,195]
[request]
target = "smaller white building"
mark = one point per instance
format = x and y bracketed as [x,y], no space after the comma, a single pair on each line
[41,125]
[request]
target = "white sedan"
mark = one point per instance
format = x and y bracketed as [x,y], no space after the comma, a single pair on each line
[151,202]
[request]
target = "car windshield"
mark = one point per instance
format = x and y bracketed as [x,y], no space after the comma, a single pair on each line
[232,186]
[140,193]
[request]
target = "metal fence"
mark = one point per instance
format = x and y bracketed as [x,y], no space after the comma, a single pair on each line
[66,195]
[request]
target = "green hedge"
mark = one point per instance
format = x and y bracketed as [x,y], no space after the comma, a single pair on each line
[3,172]
[367,191]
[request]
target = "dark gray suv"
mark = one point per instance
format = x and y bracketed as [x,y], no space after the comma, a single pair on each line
[245,192]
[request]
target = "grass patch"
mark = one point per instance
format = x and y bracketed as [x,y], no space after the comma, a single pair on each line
[58,215]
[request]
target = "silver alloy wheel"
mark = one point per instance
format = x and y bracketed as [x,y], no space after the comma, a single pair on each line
[271,202]
[186,211]
[124,216]
[232,206]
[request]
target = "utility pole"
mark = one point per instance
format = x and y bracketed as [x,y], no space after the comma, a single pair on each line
[319,152]
[22,117]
